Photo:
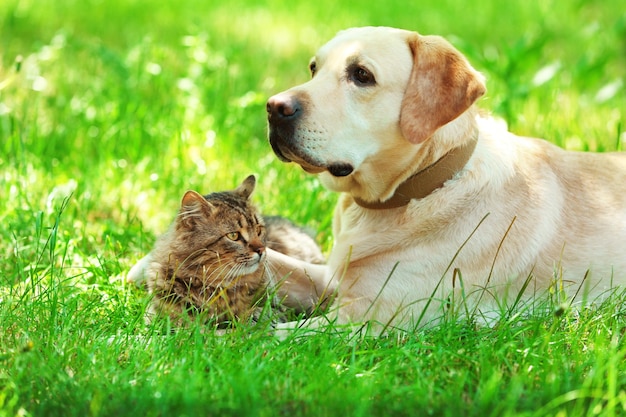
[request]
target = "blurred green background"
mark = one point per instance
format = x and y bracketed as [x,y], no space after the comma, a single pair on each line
[111,109]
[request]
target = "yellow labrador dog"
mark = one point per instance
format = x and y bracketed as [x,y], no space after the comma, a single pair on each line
[439,205]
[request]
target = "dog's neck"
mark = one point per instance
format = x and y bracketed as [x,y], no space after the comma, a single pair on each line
[424,182]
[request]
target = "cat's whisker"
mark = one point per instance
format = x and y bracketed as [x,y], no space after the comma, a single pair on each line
[219,275]
[187,262]
[235,274]
[271,273]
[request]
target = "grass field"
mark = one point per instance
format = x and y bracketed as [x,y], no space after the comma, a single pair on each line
[109,111]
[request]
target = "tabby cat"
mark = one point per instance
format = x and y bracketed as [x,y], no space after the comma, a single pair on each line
[210,265]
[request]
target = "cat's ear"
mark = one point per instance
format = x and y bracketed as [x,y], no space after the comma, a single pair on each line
[192,199]
[193,208]
[247,187]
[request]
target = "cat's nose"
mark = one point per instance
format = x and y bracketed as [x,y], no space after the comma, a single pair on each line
[258,248]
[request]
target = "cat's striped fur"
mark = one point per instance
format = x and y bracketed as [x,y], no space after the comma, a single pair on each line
[210,264]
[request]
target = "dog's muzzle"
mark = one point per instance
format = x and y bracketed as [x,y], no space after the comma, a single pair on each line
[283,114]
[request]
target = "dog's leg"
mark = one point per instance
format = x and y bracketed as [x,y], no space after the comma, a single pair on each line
[300,285]
[299,328]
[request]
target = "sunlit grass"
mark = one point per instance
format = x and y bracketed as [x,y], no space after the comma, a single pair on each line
[109,111]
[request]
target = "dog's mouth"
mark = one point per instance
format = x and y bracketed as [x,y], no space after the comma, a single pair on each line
[286,155]
[308,163]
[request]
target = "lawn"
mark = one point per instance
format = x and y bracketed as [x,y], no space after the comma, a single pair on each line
[110,110]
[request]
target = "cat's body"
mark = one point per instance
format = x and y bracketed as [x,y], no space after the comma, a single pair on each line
[210,264]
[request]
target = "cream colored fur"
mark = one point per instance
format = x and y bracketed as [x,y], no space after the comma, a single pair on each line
[521,208]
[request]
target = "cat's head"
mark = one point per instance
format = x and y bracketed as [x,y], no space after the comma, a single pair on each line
[223,231]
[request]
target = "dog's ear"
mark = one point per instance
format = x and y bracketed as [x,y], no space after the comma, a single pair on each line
[442,85]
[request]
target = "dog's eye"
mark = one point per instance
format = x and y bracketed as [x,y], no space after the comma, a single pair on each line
[362,76]
[313,68]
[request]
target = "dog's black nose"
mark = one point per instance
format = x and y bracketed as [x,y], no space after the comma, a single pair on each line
[283,107]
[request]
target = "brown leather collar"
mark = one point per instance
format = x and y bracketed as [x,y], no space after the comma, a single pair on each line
[426,181]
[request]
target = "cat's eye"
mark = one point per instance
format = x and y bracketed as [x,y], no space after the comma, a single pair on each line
[260,230]
[233,236]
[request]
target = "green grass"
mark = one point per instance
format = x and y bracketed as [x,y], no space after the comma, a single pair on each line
[109,111]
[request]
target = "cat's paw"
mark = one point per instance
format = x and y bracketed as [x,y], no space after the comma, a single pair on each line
[137,274]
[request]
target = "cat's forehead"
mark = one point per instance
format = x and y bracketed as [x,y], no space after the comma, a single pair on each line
[235,212]
[228,198]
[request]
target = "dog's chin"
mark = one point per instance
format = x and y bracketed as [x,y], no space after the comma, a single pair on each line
[305,163]
[339,169]
[310,164]
[310,169]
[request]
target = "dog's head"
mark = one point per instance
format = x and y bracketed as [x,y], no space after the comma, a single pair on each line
[375,93]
